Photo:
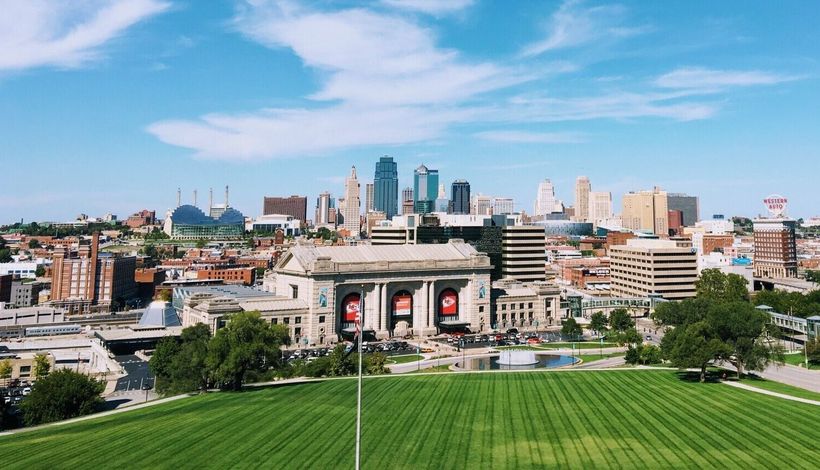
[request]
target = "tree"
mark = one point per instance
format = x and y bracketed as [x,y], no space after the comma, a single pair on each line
[620,320]
[5,370]
[376,364]
[61,395]
[629,336]
[41,366]
[40,271]
[571,329]
[633,355]
[34,243]
[341,363]
[160,362]
[813,276]
[650,354]
[717,286]
[5,255]
[180,365]
[201,243]
[246,343]
[693,346]
[597,322]
[813,351]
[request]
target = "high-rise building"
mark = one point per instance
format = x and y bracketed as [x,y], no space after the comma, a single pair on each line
[600,206]
[368,197]
[460,197]
[503,205]
[668,268]
[89,280]
[482,205]
[646,211]
[425,189]
[545,202]
[294,206]
[406,195]
[352,206]
[386,187]
[523,253]
[442,203]
[582,190]
[775,248]
[689,206]
[324,205]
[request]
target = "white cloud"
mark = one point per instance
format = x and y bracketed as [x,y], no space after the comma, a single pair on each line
[430,7]
[530,137]
[385,82]
[699,78]
[36,33]
[573,25]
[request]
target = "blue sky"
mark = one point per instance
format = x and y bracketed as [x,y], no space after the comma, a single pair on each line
[112,105]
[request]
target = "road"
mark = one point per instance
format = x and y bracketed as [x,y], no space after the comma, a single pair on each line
[789,375]
[137,374]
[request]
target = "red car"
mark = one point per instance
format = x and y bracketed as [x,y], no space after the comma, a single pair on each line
[533,341]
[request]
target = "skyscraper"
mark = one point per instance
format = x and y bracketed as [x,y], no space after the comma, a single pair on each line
[646,211]
[323,207]
[368,197]
[545,202]
[503,205]
[600,206]
[442,203]
[294,206]
[352,204]
[386,187]
[407,200]
[688,205]
[460,197]
[482,205]
[425,189]
[582,190]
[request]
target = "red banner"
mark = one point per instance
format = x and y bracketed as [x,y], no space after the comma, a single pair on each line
[448,303]
[350,307]
[402,305]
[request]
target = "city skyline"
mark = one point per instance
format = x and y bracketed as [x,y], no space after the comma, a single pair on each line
[693,99]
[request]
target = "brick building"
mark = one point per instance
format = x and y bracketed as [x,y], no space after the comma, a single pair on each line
[294,206]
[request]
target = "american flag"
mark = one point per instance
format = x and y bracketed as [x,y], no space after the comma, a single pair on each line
[358,324]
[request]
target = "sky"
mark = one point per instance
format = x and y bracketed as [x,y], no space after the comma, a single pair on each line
[110,106]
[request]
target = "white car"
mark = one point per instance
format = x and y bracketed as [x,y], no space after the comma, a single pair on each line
[27,391]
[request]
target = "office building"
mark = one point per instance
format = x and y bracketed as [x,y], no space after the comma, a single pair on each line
[25,294]
[600,206]
[775,248]
[523,253]
[407,207]
[386,187]
[88,280]
[141,218]
[294,206]
[442,202]
[644,267]
[689,206]
[425,189]
[460,197]
[582,191]
[503,205]
[351,211]
[324,206]
[646,211]
[482,205]
[270,224]
[545,202]
[368,197]
[675,219]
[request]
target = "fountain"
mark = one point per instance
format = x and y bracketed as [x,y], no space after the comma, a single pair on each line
[517,358]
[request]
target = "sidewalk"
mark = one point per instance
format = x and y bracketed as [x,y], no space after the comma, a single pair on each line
[770,393]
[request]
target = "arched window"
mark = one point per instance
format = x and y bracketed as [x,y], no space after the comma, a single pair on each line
[448,303]
[402,304]
[350,307]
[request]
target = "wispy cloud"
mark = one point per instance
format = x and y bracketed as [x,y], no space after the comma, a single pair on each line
[699,78]
[430,7]
[386,83]
[573,25]
[37,33]
[524,137]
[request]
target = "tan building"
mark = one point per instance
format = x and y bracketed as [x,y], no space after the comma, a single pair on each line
[87,280]
[525,306]
[668,268]
[582,191]
[646,211]
[775,248]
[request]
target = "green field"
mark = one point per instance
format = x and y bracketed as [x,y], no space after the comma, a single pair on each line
[799,360]
[572,419]
[553,346]
[781,388]
[404,359]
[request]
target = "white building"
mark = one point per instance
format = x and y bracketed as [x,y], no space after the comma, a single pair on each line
[545,202]
[352,206]
[273,222]
[481,205]
[600,206]
[21,269]
[503,205]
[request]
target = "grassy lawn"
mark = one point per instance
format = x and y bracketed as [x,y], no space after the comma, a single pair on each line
[404,359]
[799,360]
[781,388]
[587,358]
[584,345]
[602,419]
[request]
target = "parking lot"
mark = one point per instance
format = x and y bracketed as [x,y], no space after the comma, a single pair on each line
[138,376]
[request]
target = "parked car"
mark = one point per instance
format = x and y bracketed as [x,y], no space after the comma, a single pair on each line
[533,340]
[26,391]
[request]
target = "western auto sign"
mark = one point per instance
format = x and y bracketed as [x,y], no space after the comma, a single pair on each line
[776,204]
[448,303]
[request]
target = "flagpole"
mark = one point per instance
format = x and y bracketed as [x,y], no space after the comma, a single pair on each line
[360,334]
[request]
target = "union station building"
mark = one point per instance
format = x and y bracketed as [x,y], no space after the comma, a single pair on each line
[421,290]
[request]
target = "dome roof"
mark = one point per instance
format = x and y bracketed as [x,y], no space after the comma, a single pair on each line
[190,215]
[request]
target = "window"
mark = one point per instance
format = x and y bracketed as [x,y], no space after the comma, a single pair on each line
[503,306]
[321,318]
[521,305]
[286,321]
[297,331]
[295,291]
[274,321]
[529,305]
[480,309]
[297,320]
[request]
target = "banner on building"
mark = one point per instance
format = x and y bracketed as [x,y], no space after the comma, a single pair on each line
[402,305]
[448,303]
[350,307]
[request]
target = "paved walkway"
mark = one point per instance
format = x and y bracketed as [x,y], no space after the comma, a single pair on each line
[789,375]
[770,393]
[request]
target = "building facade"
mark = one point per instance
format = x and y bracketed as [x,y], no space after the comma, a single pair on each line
[418,289]
[368,197]
[689,206]
[460,197]
[545,202]
[351,212]
[386,187]
[646,211]
[600,206]
[775,248]
[425,189]
[294,206]
[523,253]
[582,191]
[644,267]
